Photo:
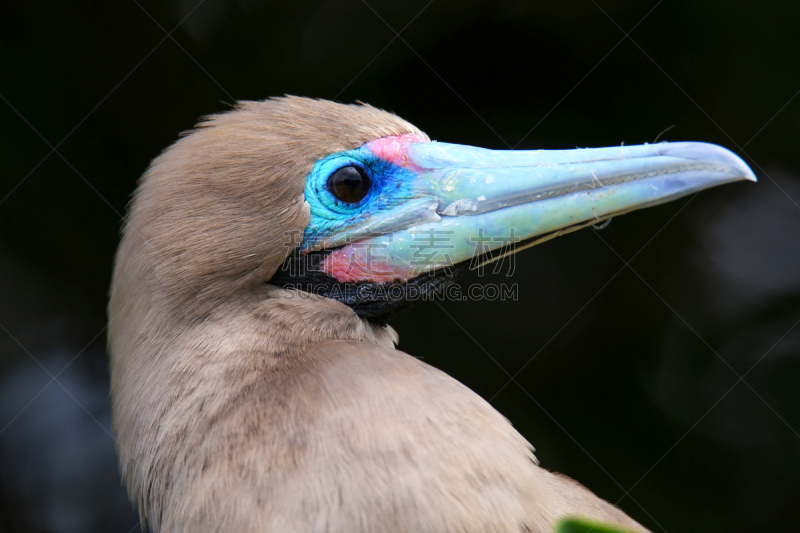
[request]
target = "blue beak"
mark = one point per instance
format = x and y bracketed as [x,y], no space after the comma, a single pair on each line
[464,202]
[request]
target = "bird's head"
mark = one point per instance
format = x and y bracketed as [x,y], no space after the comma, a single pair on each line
[342,200]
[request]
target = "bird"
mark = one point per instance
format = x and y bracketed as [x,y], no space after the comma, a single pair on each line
[255,383]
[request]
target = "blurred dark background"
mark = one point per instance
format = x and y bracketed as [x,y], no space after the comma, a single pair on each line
[668,386]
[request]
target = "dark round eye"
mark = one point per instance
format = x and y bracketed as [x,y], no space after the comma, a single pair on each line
[349,184]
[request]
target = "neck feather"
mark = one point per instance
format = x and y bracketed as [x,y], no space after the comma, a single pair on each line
[170,374]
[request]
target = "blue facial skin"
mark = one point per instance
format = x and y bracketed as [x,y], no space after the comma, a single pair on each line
[391,186]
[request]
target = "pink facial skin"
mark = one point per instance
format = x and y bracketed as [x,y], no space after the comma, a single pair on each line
[356,262]
[393,149]
[352,264]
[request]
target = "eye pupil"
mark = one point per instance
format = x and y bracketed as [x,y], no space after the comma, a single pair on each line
[349,184]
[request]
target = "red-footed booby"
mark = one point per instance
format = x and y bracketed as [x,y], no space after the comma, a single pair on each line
[255,383]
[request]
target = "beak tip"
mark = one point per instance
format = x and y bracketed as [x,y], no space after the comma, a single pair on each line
[746,172]
[699,151]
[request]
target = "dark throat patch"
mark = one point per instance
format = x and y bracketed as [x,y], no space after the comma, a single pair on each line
[376,302]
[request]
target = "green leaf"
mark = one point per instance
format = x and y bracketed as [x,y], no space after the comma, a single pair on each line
[582,525]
